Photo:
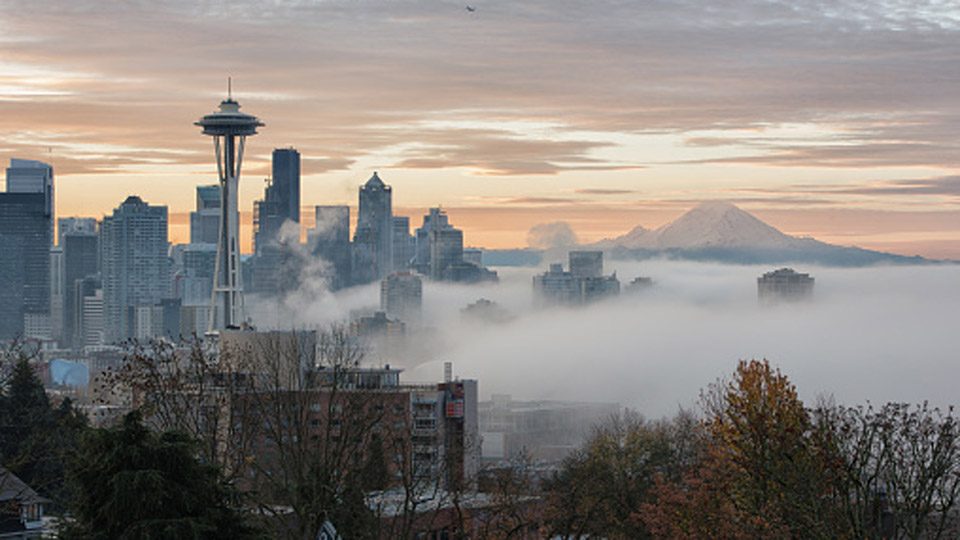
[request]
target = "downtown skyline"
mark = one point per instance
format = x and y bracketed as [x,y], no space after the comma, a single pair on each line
[831,120]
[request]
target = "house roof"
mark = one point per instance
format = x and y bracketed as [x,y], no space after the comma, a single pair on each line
[12,488]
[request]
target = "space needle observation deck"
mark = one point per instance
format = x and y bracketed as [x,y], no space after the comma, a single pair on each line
[229,128]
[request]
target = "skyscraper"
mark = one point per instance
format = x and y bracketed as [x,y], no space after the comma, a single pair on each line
[26,236]
[404,244]
[81,258]
[330,241]
[439,245]
[401,296]
[135,268]
[205,221]
[373,239]
[281,199]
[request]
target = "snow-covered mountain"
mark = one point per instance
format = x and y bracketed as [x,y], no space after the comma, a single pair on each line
[710,224]
[720,232]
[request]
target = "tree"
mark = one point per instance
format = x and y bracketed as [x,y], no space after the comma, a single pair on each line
[600,487]
[35,438]
[767,468]
[297,433]
[903,458]
[134,483]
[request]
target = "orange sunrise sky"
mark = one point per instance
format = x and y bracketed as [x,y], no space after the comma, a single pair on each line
[835,120]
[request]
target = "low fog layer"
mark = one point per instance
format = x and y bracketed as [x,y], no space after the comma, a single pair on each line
[879,334]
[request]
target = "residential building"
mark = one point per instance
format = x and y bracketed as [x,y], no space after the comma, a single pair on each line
[558,287]
[784,284]
[21,509]
[134,267]
[586,264]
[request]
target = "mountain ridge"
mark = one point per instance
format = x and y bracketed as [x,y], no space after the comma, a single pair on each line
[718,231]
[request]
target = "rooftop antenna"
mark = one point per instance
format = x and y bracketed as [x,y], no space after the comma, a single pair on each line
[229,88]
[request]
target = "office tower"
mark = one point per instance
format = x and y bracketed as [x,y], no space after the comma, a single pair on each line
[276,266]
[134,267]
[26,236]
[404,244]
[81,258]
[195,266]
[75,225]
[439,245]
[205,221]
[784,284]
[56,293]
[330,241]
[27,176]
[373,239]
[557,287]
[586,264]
[286,182]
[229,128]
[473,256]
[281,200]
[88,312]
[401,296]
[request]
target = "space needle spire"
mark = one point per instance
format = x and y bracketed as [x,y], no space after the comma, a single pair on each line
[229,128]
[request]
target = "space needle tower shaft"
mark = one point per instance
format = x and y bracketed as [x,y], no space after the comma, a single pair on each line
[229,128]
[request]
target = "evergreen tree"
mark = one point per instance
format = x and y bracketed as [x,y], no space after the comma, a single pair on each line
[35,439]
[134,483]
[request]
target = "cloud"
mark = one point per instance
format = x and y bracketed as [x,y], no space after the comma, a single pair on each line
[556,235]
[339,77]
[599,191]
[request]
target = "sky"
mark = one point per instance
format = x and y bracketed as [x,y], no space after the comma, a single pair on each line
[873,334]
[834,119]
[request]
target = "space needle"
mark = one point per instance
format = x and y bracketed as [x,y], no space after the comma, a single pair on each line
[229,128]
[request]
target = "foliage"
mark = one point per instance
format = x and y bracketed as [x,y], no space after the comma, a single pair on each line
[600,487]
[771,468]
[134,483]
[36,438]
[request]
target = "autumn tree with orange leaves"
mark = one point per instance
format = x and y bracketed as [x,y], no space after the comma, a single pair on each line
[768,470]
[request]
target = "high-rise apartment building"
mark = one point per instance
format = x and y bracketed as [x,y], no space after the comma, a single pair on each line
[26,236]
[134,265]
[586,264]
[373,239]
[574,288]
[784,284]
